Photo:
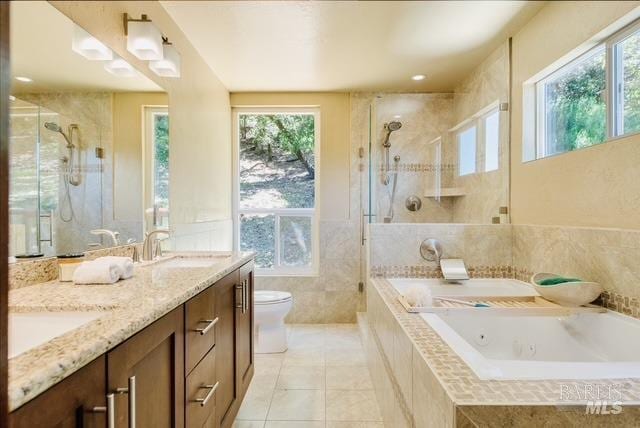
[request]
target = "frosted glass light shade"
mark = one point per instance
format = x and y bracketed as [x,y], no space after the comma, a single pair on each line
[144,40]
[169,66]
[120,67]
[88,46]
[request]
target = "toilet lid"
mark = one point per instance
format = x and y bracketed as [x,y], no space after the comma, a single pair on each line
[265,297]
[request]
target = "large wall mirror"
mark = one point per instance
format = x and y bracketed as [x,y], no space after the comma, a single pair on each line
[89,140]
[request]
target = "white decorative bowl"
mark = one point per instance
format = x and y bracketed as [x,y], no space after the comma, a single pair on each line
[567,293]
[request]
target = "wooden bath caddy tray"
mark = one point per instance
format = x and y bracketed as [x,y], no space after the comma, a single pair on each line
[512,305]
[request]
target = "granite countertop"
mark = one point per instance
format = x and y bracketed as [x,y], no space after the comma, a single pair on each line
[129,306]
[462,385]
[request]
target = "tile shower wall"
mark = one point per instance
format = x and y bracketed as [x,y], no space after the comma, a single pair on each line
[485,192]
[424,117]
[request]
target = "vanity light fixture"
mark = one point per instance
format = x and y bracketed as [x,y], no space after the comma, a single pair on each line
[24,79]
[169,66]
[418,77]
[119,67]
[12,98]
[144,40]
[88,46]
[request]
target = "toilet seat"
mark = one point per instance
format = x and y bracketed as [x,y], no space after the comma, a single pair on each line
[268,297]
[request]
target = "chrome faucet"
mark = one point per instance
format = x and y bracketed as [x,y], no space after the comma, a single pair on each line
[150,246]
[115,236]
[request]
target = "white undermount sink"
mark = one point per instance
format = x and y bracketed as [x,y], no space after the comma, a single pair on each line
[30,329]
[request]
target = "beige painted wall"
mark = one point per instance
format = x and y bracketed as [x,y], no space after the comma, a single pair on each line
[200,130]
[334,143]
[597,186]
[127,151]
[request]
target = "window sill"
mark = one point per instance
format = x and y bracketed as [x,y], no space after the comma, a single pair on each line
[310,273]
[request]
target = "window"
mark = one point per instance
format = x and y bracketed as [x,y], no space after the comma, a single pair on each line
[467,151]
[626,53]
[592,99]
[156,180]
[572,105]
[277,175]
[491,125]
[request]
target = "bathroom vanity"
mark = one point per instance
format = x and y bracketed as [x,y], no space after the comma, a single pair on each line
[174,347]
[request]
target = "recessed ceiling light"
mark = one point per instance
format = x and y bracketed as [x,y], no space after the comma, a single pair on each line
[397,116]
[418,77]
[24,79]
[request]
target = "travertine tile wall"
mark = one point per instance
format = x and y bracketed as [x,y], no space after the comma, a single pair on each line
[424,118]
[485,192]
[610,257]
[607,256]
[396,247]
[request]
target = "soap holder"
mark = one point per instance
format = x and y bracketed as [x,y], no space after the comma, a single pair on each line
[575,293]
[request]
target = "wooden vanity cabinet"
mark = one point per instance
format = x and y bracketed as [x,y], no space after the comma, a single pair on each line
[191,367]
[151,364]
[244,330]
[77,401]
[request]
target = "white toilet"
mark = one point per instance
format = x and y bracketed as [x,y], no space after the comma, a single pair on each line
[270,308]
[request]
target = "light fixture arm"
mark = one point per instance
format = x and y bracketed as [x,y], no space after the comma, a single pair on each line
[126,19]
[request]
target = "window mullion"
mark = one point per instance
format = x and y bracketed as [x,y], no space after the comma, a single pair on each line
[276,235]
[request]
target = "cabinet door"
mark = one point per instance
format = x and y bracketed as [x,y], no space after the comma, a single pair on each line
[225,349]
[147,374]
[244,330]
[77,401]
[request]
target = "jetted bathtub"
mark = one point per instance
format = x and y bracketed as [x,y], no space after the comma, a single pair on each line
[585,345]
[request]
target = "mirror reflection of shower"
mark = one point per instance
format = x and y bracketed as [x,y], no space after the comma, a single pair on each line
[71,173]
[386,144]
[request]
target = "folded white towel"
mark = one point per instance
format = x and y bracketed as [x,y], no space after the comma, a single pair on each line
[124,263]
[96,273]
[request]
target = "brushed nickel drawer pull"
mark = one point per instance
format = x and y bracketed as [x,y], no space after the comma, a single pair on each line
[205,330]
[110,410]
[241,304]
[212,390]
[131,390]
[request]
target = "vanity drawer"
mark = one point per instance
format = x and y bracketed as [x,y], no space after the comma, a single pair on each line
[200,395]
[200,327]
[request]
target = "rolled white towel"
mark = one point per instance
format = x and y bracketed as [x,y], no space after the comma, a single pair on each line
[418,297]
[96,273]
[124,263]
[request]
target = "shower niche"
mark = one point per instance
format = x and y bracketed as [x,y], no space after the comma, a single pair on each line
[88,149]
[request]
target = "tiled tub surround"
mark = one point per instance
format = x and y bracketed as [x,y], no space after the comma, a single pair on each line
[607,256]
[29,272]
[421,382]
[128,306]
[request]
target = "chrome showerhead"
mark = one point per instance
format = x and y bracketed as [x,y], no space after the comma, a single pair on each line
[52,126]
[390,127]
[394,126]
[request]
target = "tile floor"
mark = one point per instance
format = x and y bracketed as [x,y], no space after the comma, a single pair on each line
[322,381]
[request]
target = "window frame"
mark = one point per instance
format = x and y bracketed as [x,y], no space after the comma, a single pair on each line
[467,127]
[148,156]
[279,270]
[614,106]
[482,125]
[478,120]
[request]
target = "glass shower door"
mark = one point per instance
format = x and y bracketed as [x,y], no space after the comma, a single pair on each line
[24,193]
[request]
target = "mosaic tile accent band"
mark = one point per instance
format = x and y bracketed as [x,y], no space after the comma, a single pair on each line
[419,167]
[422,271]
